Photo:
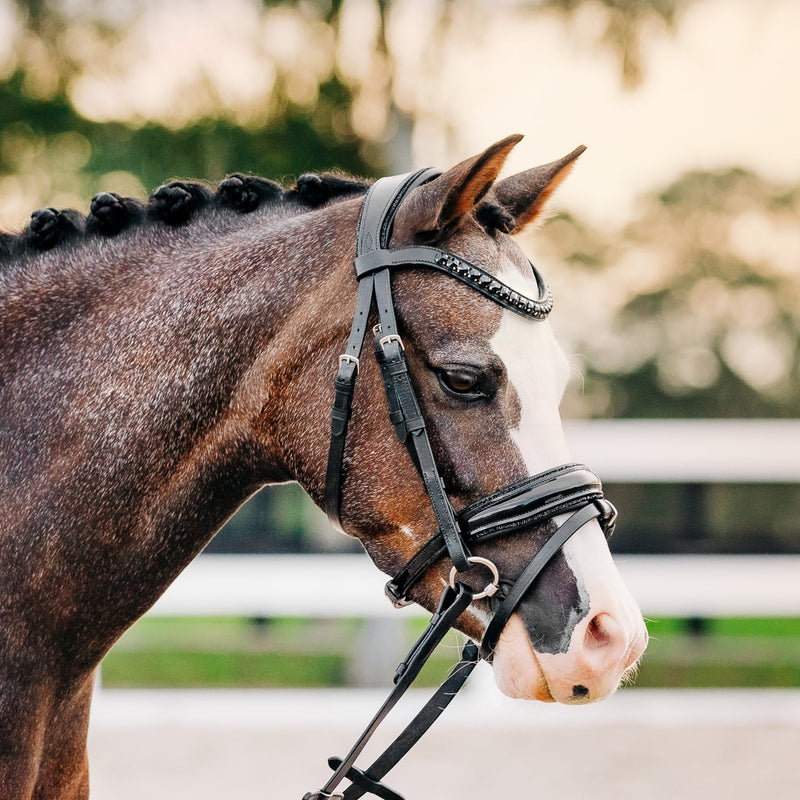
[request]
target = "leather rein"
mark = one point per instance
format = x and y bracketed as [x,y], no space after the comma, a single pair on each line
[571,492]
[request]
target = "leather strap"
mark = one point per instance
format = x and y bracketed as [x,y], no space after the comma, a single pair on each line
[411,430]
[556,541]
[373,232]
[415,729]
[452,604]
[474,276]
[344,388]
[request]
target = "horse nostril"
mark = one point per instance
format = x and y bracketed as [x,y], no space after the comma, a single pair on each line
[597,632]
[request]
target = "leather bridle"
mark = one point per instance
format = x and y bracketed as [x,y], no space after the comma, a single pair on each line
[569,495]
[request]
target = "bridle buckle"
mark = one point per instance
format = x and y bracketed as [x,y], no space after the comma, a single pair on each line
[396,599]
[392,337]
[346,358]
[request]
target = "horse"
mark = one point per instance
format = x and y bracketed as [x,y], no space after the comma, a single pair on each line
[162,361]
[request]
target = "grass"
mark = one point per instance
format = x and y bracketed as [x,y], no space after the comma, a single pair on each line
[217,670]
[737,652]
[231,652]
[245,653]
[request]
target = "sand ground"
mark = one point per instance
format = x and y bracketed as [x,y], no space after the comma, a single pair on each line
[659,745]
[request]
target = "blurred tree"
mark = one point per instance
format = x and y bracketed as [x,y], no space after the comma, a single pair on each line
[395,80]
[70,125]
[694,309]
[102,95]
[623,23]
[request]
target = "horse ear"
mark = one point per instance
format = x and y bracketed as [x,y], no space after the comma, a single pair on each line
[457,191]
[525,194]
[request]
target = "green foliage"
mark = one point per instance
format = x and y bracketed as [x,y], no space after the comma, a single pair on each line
[284,146]
[730,653]
[237,652]
[219,670]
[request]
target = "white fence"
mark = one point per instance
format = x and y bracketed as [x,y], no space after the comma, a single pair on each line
[350,586]
[685,451]
[758,451]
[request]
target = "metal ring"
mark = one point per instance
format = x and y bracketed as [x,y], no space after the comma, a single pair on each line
[491,588]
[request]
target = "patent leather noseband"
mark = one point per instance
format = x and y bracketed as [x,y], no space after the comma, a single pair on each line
[569,496]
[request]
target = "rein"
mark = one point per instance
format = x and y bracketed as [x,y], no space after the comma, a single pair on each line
[570,494]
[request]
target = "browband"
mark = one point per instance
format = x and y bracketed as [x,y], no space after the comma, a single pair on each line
[474,276]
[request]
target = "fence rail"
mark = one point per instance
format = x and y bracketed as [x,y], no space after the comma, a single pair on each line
[687,451]
[664,586]
[640,451]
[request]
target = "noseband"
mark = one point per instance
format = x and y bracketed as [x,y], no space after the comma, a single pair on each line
[570,495]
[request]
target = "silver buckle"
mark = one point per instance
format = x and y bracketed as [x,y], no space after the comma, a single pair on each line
[351,359]
[392,337]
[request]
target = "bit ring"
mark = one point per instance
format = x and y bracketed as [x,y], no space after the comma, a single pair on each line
[491,588]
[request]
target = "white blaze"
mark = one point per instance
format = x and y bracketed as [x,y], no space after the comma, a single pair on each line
[537,372]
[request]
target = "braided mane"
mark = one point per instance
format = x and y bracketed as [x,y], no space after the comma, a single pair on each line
[173,204]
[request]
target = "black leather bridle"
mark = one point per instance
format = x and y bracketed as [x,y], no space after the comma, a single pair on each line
[569,495]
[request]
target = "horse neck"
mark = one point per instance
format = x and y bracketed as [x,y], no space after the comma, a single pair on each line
[136,390]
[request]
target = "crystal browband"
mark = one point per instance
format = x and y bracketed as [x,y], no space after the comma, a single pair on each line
[471,274]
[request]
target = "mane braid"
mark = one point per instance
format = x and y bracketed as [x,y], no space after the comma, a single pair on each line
[174,204]
[111,213]
[315,190]
[49,227]
[245,193]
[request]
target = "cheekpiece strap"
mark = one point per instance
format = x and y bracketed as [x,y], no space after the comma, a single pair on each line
[372,265]
[374,230]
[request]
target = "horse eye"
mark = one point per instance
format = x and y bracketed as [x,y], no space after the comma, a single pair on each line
[459,381]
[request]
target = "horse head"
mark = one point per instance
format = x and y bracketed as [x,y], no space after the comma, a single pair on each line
[488,382]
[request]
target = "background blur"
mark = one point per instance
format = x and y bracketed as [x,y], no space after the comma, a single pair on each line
[673,250]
